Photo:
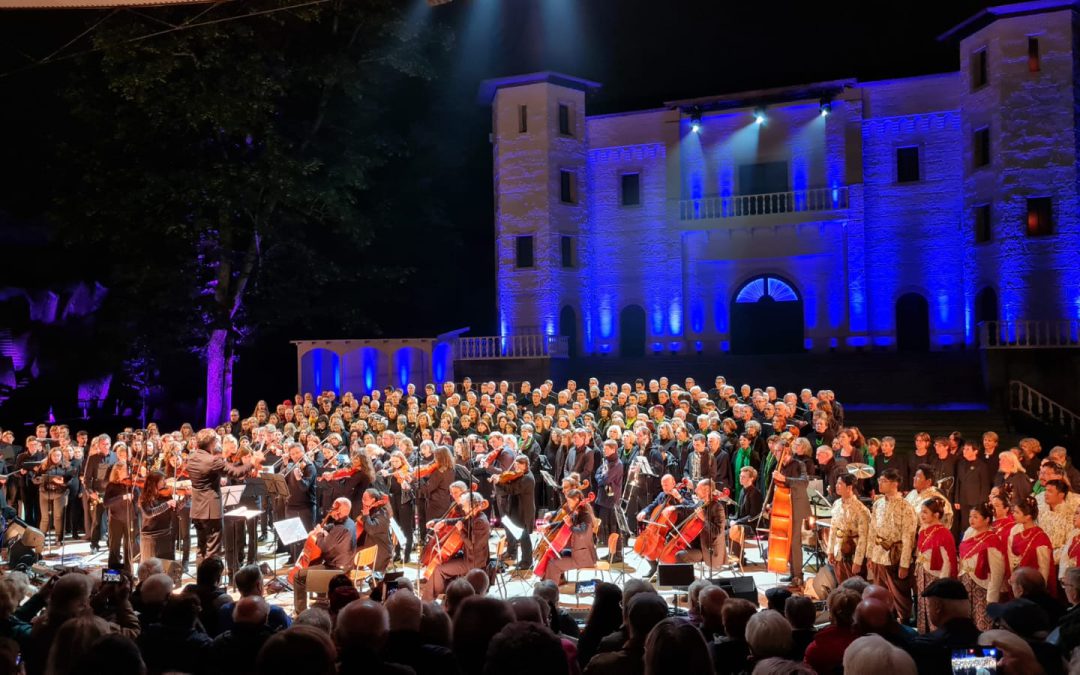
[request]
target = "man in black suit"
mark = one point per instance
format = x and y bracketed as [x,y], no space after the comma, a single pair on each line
[522,493]
[207,467]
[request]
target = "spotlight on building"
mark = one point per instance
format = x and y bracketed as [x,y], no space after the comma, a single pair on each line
[434,3]
[826,107]
[695,123]
[759,115]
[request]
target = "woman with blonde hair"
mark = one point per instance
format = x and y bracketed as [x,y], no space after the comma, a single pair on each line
[1011,472]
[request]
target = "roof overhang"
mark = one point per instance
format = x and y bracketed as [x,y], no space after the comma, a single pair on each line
[489,87]
[95,4]
[991,14]
[764,97]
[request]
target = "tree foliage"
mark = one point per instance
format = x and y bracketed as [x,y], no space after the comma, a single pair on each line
[226,166]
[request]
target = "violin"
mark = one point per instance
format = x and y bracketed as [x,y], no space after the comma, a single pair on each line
[425,470]
[508,476]
[338,474]
[379,503]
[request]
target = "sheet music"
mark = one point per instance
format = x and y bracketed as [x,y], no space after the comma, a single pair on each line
[243,512]
[511,527]
[396,529]
[291,531]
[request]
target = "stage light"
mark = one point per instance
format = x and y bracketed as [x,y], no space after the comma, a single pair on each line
[759,115]
[826,107]
[695,123]
[433,3]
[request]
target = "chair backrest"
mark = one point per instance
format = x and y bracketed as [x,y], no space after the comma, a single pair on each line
[365,557]
[612,542]
[500,548]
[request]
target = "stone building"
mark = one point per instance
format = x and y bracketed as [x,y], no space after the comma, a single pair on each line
[896,214]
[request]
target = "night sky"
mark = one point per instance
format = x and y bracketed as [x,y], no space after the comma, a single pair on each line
[643,52]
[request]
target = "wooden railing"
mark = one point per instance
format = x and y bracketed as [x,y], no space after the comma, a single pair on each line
[1023,398]
[739,206]
[1029,334]
[511,347]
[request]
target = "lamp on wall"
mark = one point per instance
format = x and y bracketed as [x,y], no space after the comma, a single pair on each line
[695,122]
[826,107]
[759,115]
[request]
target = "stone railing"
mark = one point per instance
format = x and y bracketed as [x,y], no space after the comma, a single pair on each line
[511,347]
[1023,398]
[740,206]
[1063,334]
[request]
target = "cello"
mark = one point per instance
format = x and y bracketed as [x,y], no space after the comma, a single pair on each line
[651,540]
[449,539]
[552,528]
[559,541]
[780,530]
[686,531]
[310,553]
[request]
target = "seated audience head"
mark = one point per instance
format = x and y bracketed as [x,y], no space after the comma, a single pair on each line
[114,654]
[676,646]
[874,654]
[800,613]
[405,611]
[947,599]
[362,624]
[737,613]
[148,567]
[1027,581]
[842,603]
[476,622]
[156,589]
[70,597]
[1071,583]
[479,580]
[712,600]
[527,608]
[251,610]
[856,583]
[208,574]
[316,617]
[299,649]
[646,610]
[769,634]
[693,593]
[781,666]
[72,641]
[456,591]
[525,648]
[435,626]
[1020,616]
[776,597]
[249,580]
[874,616]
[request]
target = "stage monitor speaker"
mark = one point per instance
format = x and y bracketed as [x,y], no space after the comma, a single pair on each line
[33,538]
[824,582]
[675,576]
[21,557]
[739,587]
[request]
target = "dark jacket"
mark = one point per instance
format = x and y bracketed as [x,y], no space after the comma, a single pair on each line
[377,533]
[933,651]
[582,542]
[408,648]
[609,483]
[973,483]
[338,544]
[206,471]
[436,489]
[750,505]
[169,649]
[302,490]
[236,650]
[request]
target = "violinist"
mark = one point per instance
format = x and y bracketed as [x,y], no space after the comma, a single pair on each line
[335,539]
[351,482]
[582,549]
[425,465]
[435,489]
[671,494]
[95,477]
[51,477]
[157,504]
[120,495]
[300,479]
[521,487]
[609,485]
[709,546]
[400,486]
[374,526]
[176,474]
[327,462]
[475,531]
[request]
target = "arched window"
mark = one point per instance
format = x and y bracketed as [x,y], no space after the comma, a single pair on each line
[766,287]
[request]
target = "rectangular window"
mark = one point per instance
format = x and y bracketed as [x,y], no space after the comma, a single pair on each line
[523,118]
[979,72]
[1039,217]
[564,120]
[907,164]
[631,189]
[982,224]
[761,179]
[525,251]
[566,248]
[567,189]
[1033,55]
[981,147]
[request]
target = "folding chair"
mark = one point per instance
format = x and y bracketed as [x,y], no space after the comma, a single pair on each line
[609,566]
[494,577]
[364,562]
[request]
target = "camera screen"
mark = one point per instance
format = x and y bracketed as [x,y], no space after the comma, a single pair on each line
[975,661]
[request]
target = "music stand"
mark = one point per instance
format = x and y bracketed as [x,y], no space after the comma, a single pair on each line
[289,531]
[678,576]
[276,489]
[549,479]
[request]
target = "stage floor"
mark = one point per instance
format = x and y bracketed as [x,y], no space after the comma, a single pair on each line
[77,553]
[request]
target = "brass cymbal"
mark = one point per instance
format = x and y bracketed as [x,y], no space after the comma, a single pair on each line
[860,470]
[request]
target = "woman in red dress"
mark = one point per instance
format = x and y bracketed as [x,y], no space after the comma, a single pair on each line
[1003,519]
[1070,552]
[935,554]
[1029,546]
[984,564]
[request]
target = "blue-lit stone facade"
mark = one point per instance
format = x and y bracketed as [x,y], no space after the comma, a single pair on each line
[853,194]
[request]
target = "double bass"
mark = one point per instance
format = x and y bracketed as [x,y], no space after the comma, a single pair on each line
[559,541]
[780,529]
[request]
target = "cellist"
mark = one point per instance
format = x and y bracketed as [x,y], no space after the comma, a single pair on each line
[709,545]
[475,530]
[582,550]
[670,495]
[336,540]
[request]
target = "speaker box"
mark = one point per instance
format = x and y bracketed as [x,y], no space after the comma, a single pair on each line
[33,538]
[824,582]
[21,557]
[739,587]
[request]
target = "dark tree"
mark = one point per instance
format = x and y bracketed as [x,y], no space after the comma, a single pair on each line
[226,165]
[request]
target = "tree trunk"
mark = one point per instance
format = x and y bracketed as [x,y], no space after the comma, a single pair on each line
[218,376]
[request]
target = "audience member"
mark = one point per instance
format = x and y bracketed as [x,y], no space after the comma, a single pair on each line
[675,647]
[646,611]
[873,654]
[249,583]
[406,645]
[825,653]
[731,653]
[236,649]
[476,622]
[525,648]
[800,612]
[299,649]
[360,633]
